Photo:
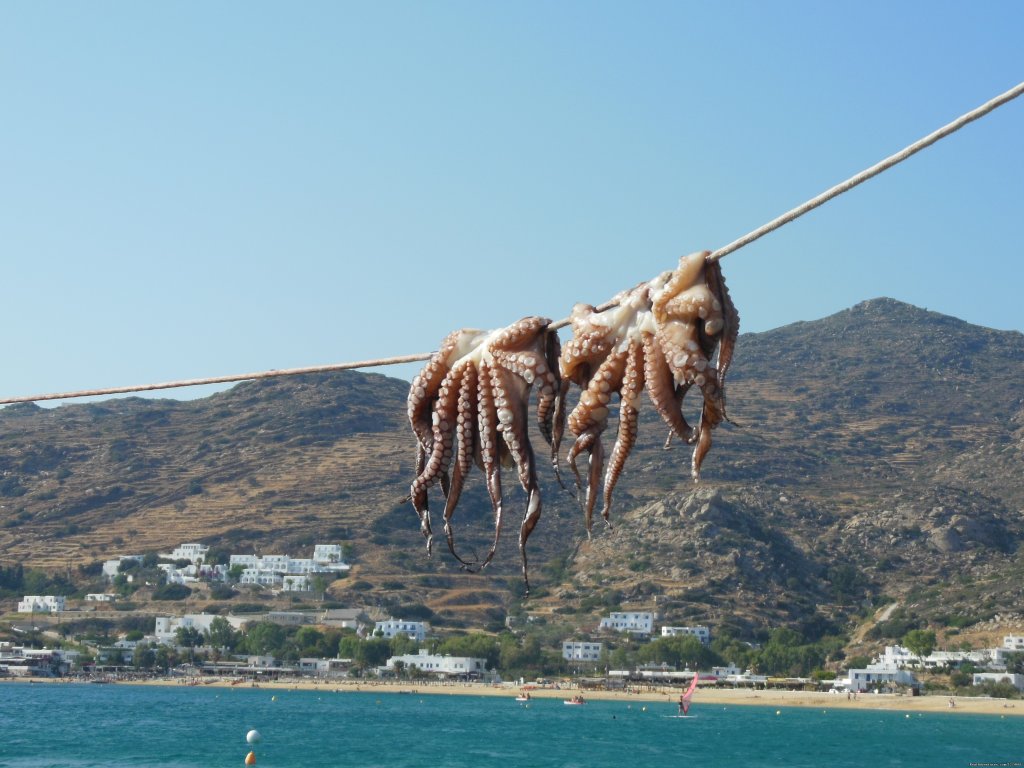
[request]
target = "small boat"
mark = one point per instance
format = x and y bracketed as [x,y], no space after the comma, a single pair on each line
[575,701]
[523,698]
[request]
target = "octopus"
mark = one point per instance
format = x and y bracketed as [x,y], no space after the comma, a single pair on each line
[470,405]
[660,336]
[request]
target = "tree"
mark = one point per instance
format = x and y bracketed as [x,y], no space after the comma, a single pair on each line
[401,644]
[265,638]
[1015,663]
[319,585]
[189,637]
[476,645]
[222,635]
[920,642]
[680,650]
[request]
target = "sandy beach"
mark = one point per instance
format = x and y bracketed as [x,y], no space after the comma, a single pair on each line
[704,695]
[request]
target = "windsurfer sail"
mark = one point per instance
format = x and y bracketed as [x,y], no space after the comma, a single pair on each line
[684,700]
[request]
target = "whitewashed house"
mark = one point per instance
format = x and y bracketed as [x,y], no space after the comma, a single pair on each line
[1014,643]
[634,622]
[273,570]
[329,558]
[167,627]
[41,604]
[701,633]
[100,597]
[111,568]
[581,651]
[417,630]
[1016,680]
[192,552]
[346,618]
[441,666]
[296,582]
[172,575]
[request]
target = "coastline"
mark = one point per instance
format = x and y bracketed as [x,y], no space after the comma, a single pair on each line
[703,696]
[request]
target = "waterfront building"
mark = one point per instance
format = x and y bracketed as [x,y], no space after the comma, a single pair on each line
[581,651]
[1016,680]
[166,627]
[464,667]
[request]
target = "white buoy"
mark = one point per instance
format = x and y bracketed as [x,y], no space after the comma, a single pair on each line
[253,737]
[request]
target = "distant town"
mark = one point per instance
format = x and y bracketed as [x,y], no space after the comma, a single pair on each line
[337,643]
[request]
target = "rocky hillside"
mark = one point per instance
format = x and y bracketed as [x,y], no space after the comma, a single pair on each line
[877,452]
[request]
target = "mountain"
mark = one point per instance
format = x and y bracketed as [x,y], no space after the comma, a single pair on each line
[873,455]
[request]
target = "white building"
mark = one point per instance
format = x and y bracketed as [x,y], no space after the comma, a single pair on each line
[111,568]
[263,576]
[581,651]
[328,554]
[271,570]
[1017,681]
[296,582]
[1013,642]
[442,666]
[634,622]
[347,618]
[186,575]
[876,675]
[899,657]
[701,633]
[192,552]
[100,597]
[417,630]
[167,626]
[41,604]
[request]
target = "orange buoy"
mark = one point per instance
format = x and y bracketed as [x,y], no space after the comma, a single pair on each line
[250,759]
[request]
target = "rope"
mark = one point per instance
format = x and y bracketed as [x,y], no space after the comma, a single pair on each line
[866,174]
[735,245]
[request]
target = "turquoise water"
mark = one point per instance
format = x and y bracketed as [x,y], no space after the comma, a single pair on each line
[86,726]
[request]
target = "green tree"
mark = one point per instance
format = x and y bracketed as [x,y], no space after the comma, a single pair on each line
[265,638]
[372,653]
[1015,663]
[222,635]
[920,642]
[678,651]
[402,644]
[476,645]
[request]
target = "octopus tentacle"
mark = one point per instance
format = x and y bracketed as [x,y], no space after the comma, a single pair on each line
[629,399]
[443,420]
[662,390]
[465,441]
[558,428]
[550,386]
[425,387]
[730,325]
[589,419]
[490,448]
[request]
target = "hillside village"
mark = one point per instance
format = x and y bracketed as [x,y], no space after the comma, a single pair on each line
[402,646]
[845,518]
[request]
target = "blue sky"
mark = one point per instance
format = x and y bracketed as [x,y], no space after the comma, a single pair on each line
[195,189]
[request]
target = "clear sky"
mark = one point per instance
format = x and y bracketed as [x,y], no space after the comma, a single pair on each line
[193,189]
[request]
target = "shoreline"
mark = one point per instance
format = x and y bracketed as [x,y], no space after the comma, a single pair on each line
[703,696]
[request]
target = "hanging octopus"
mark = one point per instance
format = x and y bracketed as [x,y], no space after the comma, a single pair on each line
[660,335]
[470,404]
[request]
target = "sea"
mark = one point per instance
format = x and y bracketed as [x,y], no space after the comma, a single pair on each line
[87,726]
